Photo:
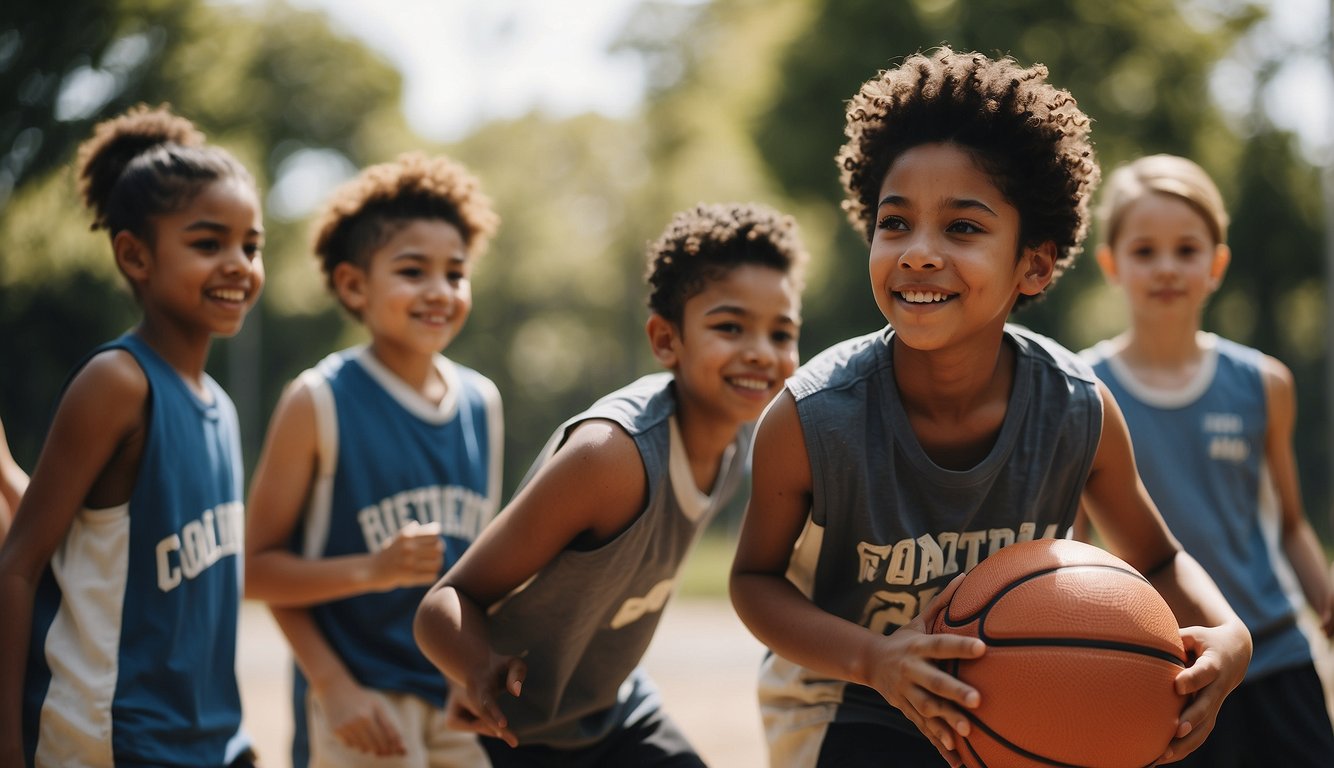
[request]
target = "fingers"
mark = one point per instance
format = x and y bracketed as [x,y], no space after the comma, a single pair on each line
[516,672]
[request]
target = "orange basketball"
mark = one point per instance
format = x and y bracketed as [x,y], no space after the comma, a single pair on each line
[1081,657]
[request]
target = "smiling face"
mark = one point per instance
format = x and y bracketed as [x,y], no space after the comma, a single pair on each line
[736,344]
[945,260]
[1165,259]
[415,293]
[203,270]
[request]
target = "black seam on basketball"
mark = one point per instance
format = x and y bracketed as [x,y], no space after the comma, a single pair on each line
[1076,642]
[1015,748]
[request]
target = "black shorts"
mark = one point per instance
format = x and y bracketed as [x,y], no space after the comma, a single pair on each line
[863,745]
[1279,719]
[652,742]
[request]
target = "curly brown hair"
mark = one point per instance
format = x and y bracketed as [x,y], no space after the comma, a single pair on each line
[1030,136]
[364,213]
[145,163]
[706,242]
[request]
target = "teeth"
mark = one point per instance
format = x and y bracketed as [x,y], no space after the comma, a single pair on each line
[227,294]
[922,297]
[758,385]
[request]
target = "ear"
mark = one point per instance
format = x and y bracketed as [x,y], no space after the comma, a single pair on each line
[133,256]
[1107,263]
[349,284]
[664,340]
[1222,258]
[1039,265]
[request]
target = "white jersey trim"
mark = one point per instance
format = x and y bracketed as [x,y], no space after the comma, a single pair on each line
[82,646]
[1162,397]
[319,508]
[693,502]
[410,398]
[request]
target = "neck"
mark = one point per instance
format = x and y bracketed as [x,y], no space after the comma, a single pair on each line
[1162,346]
[705,440]
[950,384]
[415,370]
[184,351]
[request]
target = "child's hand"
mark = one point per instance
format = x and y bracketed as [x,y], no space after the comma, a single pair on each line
[1221,655]
[474,704]
[358,718]
[908,677]
[412,558]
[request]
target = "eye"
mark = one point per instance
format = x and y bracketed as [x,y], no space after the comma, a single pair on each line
[892,223]
[1187,252]
[456,276]
[252,250]
[783,337]
[964,227]
[728,327]
[412,272]
[1142,252]
[207,245]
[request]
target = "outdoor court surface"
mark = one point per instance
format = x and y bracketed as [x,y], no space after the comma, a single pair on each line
[702,657]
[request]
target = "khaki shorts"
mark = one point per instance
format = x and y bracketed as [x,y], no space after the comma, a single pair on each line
[422,727]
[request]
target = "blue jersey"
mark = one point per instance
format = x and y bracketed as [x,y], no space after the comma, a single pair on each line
[395,458]
[132,657]
[1201,453]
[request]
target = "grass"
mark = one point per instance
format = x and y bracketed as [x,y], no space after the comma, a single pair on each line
[704,575]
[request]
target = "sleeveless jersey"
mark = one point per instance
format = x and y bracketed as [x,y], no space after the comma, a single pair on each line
[889,528]
[584,621]
[132,659]
[389,457]
[1201,454]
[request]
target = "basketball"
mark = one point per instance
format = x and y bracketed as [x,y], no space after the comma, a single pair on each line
[1081,657]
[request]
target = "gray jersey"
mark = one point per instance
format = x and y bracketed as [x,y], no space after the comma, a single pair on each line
[584,621]
[889,528]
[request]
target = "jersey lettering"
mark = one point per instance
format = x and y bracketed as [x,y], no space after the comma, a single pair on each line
[914,562]
[461,513]
[199,544]
[635,608]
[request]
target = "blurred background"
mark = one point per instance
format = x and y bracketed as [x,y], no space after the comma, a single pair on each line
[590,123]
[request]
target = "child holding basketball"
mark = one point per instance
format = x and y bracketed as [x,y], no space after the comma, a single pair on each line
[1212,424]
[896,461]
[541,626]
[120,581]
[382,464]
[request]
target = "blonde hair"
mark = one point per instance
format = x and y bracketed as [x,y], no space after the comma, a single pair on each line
[1165,175]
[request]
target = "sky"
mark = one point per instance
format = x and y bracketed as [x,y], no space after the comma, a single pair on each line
[465,62]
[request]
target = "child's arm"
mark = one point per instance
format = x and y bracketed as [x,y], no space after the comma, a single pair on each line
[1215,638]
[593,486]
[354,715]
[279,493]
[901,666]
[1300,543]
[13,481]
[85,458]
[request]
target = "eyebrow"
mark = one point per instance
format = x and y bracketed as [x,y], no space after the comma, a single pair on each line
[731,309]
[953,203]
[212,226]
[420,256]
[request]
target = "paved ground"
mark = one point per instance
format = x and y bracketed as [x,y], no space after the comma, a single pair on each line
[702,657]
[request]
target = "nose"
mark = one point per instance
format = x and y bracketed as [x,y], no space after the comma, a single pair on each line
[919,253]
[438,288]
[238,262]
[760,352]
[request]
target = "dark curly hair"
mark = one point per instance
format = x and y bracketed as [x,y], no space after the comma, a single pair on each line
[146,163]
[364,213]
[1030,136]
[706,242]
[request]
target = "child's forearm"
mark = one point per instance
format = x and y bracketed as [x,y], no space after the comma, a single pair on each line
[786,621]
[1304,552]
[282,578]
[1194,597]
[318,662]
[450,629]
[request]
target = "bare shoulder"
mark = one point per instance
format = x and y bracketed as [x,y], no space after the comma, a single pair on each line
[112,377]
[601,451]
[1277,377]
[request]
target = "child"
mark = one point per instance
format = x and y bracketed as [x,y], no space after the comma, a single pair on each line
[13,481]
[896,461]
[541,626]
[120,581]
[381,466]
[1212,424]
